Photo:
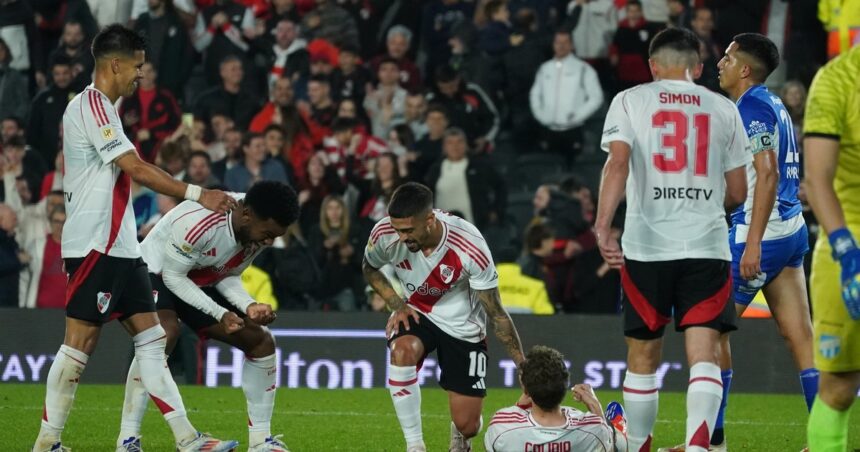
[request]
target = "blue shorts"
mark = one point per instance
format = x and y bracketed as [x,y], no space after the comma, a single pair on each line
[775,256]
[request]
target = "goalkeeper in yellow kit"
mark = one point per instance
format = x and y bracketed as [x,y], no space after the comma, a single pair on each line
[832,164]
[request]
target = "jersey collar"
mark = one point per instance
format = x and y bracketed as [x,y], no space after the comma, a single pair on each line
[230,226]
[749,90]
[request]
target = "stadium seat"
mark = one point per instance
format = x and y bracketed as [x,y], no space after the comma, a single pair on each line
[520,209]
[531,170]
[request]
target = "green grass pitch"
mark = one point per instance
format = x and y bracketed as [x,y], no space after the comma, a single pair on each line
[363,420]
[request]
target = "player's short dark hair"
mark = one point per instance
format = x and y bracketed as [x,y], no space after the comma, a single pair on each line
[202,154]
[446,74]
[275,200]
[762,50]
[341,124]
[409,200]
[544,376]
[116,39]
[677,39]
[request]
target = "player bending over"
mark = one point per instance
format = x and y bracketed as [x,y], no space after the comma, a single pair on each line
[107,278]
[450,283]
[538,422]
[196,258]
[680,151]
[768,238]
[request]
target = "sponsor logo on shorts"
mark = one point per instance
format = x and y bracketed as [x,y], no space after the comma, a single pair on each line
[447,273]
[829,346]
[103,301]
[479,385]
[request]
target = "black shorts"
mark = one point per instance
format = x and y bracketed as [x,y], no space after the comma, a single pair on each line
[463,363]
[102,288]
[196,319]
[694,291]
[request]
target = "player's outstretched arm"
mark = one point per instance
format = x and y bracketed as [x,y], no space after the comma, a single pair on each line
[767,178]
[612,186]
[155,178]
[504,327]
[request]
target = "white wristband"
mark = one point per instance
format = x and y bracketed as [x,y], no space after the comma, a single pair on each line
[193,192]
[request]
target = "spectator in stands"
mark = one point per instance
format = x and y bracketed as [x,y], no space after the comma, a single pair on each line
[24,42]
[150,114]
[199,170]
[219,32]
[282,10]
[566,92]
[401,143]
[12,258]
[293,268]
[397,43]
[349,79]
[280,97]
[437,21]
[288,56]
[346,143]
[473,65]
[594,24]
[458,174]
[429,148]
[416,108]
[530,48]
[596,287]
[335,243]
[168,45]
[711,52]
[73,46]
[218,124]
[538,244]
[298,140]
[228,97]
[495,38]
[321,64]
[347,108]
[46,115]
[173,158]
[368,17]
[43,281]
[319,180]
[330,22]
[629,52]
[254,166]
[385,104]
[53,180]
[793,96]
[274,139]
[679,14]
[375,193]
[322,109]
[11,126]
[23,162]
[32,216]
[232,145]
[467,107]
[14,97]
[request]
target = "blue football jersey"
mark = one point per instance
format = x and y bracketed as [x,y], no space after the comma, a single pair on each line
[769,126]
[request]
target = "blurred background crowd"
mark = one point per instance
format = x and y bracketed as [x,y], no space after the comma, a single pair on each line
[496,105]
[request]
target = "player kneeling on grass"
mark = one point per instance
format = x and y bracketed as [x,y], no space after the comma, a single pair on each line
[195,258]
[538,422]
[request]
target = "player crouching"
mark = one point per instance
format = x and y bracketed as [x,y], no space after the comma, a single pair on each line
[195,258]
[538,422]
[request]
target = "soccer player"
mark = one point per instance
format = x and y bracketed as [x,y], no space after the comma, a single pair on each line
[768,237]
[451,287]
[832,147]
[195,259]
[680,151]
[539,422]
[107,278]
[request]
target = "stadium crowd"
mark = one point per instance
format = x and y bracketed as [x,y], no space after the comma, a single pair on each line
[496,105]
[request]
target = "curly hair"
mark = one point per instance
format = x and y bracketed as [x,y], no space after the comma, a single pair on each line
[544,376]
[272,199]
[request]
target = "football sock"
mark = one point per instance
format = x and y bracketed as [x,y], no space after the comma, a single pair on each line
[406,395]
[719,434]
[62,383]
[704,395]
[258,382]
[149,351]
[134,404]
[809,383]
[827,430]
[640,403]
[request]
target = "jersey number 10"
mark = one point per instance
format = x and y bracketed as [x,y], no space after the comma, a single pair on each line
[676,141]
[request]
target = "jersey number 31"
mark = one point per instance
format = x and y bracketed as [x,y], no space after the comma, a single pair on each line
[675,140]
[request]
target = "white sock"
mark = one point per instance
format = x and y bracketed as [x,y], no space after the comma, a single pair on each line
[149,350]
[134,404]
[704,394]
[62,383]
[640,402]
[406,395]
[258,382]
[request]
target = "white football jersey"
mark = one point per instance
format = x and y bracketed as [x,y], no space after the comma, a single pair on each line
[440,285]
[97,192]
[201,238]
[683,139]
[513,429]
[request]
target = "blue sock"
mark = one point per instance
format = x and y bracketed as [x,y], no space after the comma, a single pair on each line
[719,434]
[809,383]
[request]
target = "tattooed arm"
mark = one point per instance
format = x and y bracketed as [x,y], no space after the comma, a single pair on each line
[400,310]
[503,326]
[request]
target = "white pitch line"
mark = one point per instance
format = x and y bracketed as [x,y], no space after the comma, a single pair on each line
[364,414]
